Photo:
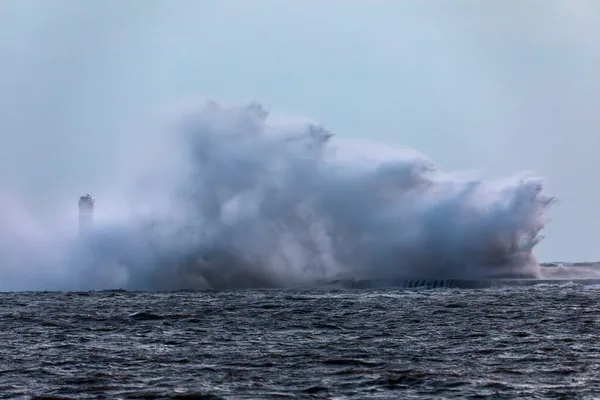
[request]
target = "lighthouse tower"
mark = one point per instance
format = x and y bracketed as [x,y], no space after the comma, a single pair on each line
[86,213]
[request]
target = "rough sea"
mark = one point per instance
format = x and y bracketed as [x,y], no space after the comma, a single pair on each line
[128,160]
[514,342]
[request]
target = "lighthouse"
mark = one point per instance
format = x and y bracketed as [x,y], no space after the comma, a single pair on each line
[86,213]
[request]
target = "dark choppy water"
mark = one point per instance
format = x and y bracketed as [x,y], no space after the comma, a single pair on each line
[518,342]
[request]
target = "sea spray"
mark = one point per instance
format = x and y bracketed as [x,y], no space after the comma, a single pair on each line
[237,201]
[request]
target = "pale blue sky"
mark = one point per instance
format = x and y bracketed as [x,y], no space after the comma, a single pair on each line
[497,86]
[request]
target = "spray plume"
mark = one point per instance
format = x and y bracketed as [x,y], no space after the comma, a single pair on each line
[236,201]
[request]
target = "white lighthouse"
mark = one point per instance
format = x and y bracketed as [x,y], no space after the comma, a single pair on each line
[86,213]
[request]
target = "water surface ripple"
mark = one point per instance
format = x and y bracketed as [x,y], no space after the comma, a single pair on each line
[537,342]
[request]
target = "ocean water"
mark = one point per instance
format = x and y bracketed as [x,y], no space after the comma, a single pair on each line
[199,209]
[514,342]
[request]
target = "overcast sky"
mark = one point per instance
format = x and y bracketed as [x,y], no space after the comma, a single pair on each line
[497,86]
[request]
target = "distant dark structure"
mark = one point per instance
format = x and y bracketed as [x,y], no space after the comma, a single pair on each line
[86,213]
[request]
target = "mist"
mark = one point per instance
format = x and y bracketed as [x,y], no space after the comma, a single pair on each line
[239,201]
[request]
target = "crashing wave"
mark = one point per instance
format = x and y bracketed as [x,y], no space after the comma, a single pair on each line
[247,203]
[237,200]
